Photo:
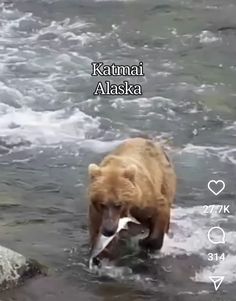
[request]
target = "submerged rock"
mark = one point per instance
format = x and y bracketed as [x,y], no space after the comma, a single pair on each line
[15,268]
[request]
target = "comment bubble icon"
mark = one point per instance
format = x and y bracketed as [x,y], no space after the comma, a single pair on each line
[216,235]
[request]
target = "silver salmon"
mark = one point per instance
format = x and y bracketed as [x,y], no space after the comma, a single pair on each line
[103,241]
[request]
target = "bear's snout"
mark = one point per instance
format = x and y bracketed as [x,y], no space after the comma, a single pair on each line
[109,226]
[110,220]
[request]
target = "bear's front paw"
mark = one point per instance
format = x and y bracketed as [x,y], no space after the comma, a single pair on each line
[151,244]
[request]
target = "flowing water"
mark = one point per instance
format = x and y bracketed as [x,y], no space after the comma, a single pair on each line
[52,127]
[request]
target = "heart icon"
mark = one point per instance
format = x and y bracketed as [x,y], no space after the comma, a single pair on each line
[216,187]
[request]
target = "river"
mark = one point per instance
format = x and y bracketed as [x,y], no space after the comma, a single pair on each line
[52,127]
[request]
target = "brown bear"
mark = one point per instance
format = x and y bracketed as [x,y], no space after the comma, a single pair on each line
[136,179]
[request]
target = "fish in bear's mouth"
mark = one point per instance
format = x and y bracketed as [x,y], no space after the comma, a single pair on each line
[103,240]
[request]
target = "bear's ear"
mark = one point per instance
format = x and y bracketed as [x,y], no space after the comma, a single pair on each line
[130,172]
[94,170]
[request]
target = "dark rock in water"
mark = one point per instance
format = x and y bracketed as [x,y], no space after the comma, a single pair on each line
[15,268]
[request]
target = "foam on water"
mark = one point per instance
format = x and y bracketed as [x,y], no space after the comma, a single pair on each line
[208,37]
[224,153]
[189,237]
[100,147]
[226,268]
[45,127]
[231,127]
[189,232]
[122,273]
[31,76]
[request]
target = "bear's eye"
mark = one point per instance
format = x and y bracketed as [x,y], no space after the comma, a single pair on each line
[117,206]
[98,205]
[102,206]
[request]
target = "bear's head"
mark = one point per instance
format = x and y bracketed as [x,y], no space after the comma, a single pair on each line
[112,192]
